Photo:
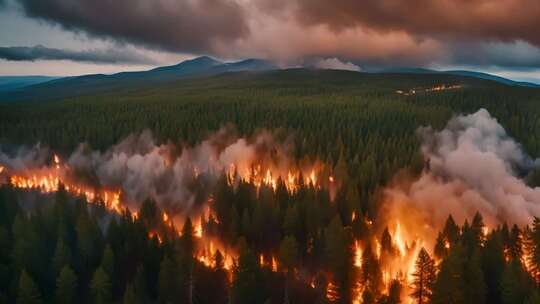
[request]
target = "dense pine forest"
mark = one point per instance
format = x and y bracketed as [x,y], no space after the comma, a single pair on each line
[272,243]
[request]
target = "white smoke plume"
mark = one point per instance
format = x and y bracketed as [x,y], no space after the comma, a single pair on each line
[336,64]
[472,165]
[177,178]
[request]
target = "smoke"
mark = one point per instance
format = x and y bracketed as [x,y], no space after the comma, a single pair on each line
[336,64]
[472,165]
[177,178]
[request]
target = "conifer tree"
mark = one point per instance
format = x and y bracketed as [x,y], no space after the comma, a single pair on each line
[423,277]
[100,287]
[66,286]
[28,292]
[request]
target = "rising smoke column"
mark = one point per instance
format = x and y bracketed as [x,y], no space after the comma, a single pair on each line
[472,165]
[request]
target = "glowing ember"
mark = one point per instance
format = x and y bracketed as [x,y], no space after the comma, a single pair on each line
[274,265]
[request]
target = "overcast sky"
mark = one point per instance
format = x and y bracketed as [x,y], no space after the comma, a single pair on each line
[64,37]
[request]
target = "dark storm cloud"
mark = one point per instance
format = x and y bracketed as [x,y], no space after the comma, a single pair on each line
[489,20]
[499,33]
[174,25]
[108,56]
[520,56]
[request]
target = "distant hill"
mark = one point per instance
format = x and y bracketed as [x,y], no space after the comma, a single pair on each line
[493,78]
[46,88]
[8,83]
[100,83]
[480,75]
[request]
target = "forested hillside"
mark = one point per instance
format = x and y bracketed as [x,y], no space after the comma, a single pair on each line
[310,239]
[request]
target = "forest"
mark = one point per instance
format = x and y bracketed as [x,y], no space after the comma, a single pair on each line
[317,236]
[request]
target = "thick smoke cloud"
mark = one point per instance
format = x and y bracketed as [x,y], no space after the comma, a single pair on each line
[372,32]
[109,56]
[183,26]
[473,165]
[486,20]
[178,179]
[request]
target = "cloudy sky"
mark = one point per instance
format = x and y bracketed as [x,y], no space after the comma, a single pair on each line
[65,37]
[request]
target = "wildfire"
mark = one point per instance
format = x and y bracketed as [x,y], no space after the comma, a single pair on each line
[56,161]
[272,176]
[208,250]
[357,254]
[331,292]
[438,88]
[400,243]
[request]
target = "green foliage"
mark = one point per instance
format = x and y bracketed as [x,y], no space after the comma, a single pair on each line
[101,287]
[288,253]
[28,292]
[66,286]
[355,123]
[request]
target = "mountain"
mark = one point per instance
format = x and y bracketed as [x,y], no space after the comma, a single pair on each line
[44,88]
[8,83]
[100,83]
[196,65]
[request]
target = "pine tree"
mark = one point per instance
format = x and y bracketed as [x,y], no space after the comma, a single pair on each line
[107,261]
[101,287]
[130,297]
[493,264]
[62,256]
[288,253]
[423,277]
[28,292]
[141,286]
[288,258]
[475,286]
[386,242]
[513,286]
[515,246]
[221,292]
[168,283]
[451,230]
[247,280]
[339,257]
[442,247]
[371,275]
[66,286]
[533,247]
[449,285]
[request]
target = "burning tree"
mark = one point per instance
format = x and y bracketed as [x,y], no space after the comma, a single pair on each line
[423,277]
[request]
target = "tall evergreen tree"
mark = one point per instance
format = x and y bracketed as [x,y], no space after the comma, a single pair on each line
[168,283]
[66,286]
[423,277]
[449,285]
[288,259]
[100,287]
[28,292]
[533,247]
[475,286]
[62,256]
[247,285]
